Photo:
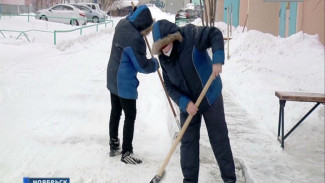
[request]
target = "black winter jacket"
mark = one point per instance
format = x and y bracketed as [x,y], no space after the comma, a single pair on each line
[128,54]
[189,67]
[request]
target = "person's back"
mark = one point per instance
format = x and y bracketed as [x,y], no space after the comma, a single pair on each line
[128,41]
[124,34]
[128,57]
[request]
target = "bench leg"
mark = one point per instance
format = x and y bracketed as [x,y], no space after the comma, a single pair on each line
[302,119]
[281,122]
[279,126]
[282,108]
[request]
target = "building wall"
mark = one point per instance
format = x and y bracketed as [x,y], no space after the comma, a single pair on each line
[173,6]
[243,12]
[15,6]
[13,2]
[220,10]
[311,18]
[263,16]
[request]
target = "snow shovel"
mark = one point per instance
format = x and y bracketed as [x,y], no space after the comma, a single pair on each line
[169,101]
[161,171]
[162,83]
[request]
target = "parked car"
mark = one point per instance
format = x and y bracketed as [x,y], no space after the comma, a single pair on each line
[95,6]
[63,13]
[185,14]
[92,15]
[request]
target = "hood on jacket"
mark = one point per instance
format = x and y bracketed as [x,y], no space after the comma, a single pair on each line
[141,19]
[163,33]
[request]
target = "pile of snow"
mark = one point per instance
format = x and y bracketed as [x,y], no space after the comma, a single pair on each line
[293,64]
[157,14]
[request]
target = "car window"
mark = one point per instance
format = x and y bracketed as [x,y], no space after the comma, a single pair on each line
[58,7]
[67,8]
[83,8]
[93,7]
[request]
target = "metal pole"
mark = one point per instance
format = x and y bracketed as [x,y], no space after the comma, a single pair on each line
[214,11]
[282,131]
[279,120]
[202,15]
[245,23]
[205,13]
[54,37]
[231,20]
[210,8]
[228,27]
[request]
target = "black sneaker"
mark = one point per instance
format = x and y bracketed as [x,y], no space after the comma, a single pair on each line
[114,147]
[129,158]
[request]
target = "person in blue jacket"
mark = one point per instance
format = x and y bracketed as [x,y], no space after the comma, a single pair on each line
[186,68]
[128,57]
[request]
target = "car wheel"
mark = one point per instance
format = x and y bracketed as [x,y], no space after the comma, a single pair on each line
[74,22]
[43,18]
[95,19]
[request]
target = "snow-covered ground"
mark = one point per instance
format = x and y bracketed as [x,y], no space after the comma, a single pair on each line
[54,108]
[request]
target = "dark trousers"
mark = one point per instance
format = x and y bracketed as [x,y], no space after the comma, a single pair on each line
[218,135]
[129,107]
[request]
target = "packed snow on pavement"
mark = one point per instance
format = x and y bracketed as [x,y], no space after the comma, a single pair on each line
[54,108]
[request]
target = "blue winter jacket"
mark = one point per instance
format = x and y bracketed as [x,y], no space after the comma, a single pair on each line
[128,54]
[189,66]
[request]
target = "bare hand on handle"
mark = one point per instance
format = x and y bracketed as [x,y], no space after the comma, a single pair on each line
[191,108]
[216,69]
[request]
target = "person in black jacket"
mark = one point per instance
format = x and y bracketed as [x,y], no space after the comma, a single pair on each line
[128,57]
[186,68]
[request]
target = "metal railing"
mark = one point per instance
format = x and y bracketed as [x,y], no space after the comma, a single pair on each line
[80,28]
[23,33]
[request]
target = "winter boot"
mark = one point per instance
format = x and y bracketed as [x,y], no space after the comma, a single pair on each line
[114,147]
[129,158]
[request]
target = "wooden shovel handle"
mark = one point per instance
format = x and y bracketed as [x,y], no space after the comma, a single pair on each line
[187,122]
[162,83]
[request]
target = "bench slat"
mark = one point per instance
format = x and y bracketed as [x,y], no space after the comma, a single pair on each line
[300,96]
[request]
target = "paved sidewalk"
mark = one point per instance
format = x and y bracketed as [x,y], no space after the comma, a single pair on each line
[257,153]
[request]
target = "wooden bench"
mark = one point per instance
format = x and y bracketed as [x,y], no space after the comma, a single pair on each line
[296,97]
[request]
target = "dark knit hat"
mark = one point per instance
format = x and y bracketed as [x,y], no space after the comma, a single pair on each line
[141,18]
